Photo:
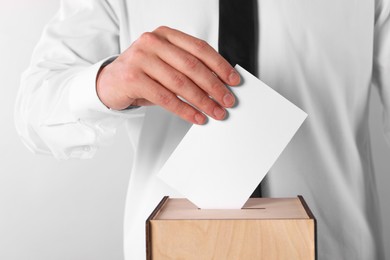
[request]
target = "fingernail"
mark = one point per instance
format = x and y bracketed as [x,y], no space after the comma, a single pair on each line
[219,113]
[228,100]
[199,118]
[234,78]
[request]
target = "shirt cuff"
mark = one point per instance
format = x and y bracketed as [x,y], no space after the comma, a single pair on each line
[84,102]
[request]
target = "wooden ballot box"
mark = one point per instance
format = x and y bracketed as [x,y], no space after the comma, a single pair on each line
[265,228]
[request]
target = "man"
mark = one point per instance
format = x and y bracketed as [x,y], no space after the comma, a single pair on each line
[98,57]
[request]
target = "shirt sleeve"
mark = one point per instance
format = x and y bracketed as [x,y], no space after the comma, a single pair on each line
[57,110]
[381,62]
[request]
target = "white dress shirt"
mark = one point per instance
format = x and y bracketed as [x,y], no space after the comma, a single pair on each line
[324,56]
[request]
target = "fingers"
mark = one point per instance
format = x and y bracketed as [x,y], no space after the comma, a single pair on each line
[171,69]
[159,95]
[193,68]
[182,86]
[202,50]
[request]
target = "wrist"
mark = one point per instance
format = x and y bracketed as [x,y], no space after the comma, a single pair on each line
[104,85]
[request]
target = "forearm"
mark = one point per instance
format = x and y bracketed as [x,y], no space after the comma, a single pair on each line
[57,109]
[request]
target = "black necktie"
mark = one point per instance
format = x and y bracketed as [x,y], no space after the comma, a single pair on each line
[238,31]
[237,41]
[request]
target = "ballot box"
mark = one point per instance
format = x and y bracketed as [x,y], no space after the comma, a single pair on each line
[265,228]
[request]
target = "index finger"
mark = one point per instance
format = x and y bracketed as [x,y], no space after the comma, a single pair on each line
[203,51]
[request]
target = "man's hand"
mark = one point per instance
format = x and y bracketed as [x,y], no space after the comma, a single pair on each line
[164,64]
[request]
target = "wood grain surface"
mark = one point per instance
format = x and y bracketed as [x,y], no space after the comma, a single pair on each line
[181,231]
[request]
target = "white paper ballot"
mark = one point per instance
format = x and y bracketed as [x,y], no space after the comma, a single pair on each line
[219,165]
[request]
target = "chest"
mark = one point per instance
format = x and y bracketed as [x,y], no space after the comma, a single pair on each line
[198,18]
[304,46]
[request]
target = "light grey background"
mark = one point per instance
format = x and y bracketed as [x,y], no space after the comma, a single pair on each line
[54,210]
